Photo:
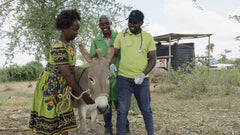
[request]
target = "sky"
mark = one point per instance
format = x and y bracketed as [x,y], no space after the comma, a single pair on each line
[184,17]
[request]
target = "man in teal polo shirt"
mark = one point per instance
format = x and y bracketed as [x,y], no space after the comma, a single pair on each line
[135,46]
[101,43]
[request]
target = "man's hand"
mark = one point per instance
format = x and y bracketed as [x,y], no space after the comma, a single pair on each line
[112,70]
[139,79]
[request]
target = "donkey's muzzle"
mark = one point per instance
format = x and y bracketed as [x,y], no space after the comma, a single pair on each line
[102,104]
[103,110]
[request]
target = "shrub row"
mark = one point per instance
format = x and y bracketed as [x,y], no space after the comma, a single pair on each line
[194,81]
[27,72]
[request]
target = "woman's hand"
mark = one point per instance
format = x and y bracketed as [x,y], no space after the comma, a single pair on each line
[65,71]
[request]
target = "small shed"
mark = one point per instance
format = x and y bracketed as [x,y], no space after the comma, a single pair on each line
[175,37]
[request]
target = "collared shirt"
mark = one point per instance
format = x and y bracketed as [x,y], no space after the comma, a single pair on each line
[132,61]
[107,39]
[99,43]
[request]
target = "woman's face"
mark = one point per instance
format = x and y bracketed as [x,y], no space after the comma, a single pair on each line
[72,32]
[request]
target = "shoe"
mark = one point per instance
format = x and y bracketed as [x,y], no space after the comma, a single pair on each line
[127,132]
[108,131]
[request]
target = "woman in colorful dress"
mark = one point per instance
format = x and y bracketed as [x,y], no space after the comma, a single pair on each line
[56,76]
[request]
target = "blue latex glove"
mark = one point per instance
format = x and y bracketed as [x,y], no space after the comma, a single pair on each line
[139,79]
[112,70]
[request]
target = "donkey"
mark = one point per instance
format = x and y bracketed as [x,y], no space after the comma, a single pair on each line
[95,78]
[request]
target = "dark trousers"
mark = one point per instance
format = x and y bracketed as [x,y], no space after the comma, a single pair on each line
[108,116]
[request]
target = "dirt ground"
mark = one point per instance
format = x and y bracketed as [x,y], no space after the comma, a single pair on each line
[218,115]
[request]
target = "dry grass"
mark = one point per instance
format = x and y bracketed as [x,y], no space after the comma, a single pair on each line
[208,115]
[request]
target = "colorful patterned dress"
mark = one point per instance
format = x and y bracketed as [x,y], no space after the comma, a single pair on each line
[44,117]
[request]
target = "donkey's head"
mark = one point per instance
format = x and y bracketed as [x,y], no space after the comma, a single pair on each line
[98,77]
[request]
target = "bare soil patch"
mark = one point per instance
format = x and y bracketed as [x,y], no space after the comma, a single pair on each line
[219,115]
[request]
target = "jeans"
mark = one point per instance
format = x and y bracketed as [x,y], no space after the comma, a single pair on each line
[125,88]
[108,116]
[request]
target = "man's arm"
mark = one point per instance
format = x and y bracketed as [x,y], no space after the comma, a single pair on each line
[115,55]
[151,63]
[113,68]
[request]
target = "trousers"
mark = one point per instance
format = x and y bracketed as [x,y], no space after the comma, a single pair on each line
[125,88]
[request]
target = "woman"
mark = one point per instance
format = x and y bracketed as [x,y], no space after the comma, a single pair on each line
[58,74]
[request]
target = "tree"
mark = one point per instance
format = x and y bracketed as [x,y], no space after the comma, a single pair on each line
[32,29]
[211,48]
[237,18]
[196,5]
[223,58]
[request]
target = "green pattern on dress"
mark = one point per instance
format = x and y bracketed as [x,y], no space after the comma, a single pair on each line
[50,84]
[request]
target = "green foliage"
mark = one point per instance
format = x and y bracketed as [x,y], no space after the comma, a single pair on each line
[210,49]
[237,63]
[226,80]
[223,55]
[28,72]
[32,22]
[237,18]
[191,81]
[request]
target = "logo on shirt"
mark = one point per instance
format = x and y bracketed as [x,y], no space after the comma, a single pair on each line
[100,49]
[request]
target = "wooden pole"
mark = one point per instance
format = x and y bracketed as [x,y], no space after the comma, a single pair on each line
[209,54]
[169,51]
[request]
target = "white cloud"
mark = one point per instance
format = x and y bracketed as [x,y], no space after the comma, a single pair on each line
[155,29]
[235,11]
[183,17]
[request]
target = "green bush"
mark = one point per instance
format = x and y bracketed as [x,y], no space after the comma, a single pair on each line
[192,81]
[237,63]
[225,81]
[27,72]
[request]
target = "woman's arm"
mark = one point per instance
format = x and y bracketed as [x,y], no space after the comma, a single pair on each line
[65,71]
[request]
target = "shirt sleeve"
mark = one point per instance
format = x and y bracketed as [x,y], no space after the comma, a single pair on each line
[152,46]
[59,54]
[117,43]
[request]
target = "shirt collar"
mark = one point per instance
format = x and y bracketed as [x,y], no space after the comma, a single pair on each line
[130,33]
[106,37]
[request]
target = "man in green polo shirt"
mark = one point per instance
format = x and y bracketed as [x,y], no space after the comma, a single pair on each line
[135,46]
[101,43]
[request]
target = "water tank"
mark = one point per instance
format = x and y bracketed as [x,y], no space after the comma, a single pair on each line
[162,50]
[182,54]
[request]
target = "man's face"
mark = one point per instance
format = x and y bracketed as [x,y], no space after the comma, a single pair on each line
[133,26]
[105,25]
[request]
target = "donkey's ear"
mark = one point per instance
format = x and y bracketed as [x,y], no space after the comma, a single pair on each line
[96,54]
[109,53]
[85,54]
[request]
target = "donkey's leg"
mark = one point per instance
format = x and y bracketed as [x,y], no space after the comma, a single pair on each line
[82,117]
[93,114]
